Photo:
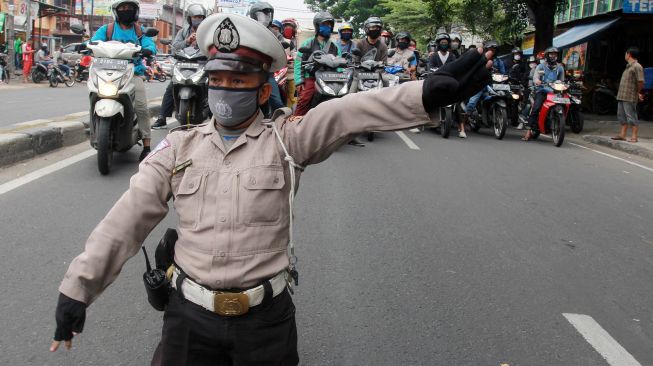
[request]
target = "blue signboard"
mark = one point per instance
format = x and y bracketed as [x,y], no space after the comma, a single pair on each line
[638,6]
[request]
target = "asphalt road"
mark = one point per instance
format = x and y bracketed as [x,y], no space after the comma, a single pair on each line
[465,252]
[22,105]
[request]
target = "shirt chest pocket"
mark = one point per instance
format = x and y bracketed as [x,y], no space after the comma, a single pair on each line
[261,197]
[189,199]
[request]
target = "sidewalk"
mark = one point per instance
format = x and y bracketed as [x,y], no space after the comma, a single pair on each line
[599,129]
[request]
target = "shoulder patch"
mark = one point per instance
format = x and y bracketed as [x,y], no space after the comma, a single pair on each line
[164,144]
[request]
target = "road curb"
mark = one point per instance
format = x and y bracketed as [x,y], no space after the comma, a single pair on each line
[26,140]
[624,146]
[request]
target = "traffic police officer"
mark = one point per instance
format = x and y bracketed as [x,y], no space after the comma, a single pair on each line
[230,180]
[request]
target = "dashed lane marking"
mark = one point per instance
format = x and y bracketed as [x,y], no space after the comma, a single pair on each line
[601,340]
[408,141]
[27,178]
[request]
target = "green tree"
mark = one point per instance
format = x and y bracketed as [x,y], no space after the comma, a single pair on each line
[422,18]
[503,20]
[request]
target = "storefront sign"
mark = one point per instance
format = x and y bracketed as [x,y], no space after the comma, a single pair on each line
[229,3]
[573,58]
[638,6]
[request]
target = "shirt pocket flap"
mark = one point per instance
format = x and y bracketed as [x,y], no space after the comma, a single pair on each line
[264,178]
[190,183]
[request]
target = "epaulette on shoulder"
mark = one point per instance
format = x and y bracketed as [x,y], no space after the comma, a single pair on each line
[186,127]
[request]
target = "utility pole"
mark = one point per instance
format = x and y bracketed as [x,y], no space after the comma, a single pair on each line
[90,19]
[28,23]
[174,19]
[10,37]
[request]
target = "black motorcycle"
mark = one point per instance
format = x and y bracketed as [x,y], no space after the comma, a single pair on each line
[39,73]
[189,86]
[492,108]
[332,76]
[56,76]
[575,118]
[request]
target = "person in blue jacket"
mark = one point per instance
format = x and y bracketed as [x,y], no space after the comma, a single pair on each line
[126,28]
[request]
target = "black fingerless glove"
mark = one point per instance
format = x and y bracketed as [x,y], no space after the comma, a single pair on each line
[70,316]
[455,81]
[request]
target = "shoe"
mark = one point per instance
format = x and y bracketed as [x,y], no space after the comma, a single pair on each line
[520,126]
[144,153]
[462,135]
[355,142]
[160,124]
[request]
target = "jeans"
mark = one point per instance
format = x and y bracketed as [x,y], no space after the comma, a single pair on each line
[168,103]
[18,58]
[65,69]
[473,100]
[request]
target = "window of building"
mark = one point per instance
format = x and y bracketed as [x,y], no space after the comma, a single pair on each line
[574,9]
[617,4]
[602,6]
[588,8]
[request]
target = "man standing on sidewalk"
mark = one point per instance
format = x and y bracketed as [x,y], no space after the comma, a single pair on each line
[630,86]
[18,53]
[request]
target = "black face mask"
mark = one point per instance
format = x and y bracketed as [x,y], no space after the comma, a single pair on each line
[402,45]
[126,17]
[374,33]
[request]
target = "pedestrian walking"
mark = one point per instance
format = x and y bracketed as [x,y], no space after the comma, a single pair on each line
[28,58]
[18,53]
[233,181]
[630,87]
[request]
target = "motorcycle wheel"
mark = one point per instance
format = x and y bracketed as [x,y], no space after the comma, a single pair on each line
[54,82]
[447,121]
[557,126]
[104,148]
[184,112]
[36,76]
[576,119]
[499,119]
[370,136]
[70,82]
[162,78]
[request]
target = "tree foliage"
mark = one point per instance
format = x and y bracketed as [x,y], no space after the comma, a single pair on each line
[353,11]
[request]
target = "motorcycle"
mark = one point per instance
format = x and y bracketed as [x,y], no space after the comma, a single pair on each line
[330,82]
[190,86]
[155,72]
[4,73]
[56,76]
[448,115]
[80,71]
[368,75]
[604,98]
[113,124]
[39,73]
[575,118]
[493,107]
[554,112]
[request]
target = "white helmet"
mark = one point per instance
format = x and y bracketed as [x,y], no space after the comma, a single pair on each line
[117,4]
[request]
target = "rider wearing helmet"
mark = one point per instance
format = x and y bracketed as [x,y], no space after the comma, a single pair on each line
[523,116]
[516,65]
[442,56]
[262,12]
[229,297]
[345,32]
[373,39]
[323,23]
[195,14]
[456,44]
[126,28]
[276,28]
[403,53]
[547,72]
[388,38]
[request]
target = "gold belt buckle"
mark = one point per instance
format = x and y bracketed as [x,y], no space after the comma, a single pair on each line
[231,303]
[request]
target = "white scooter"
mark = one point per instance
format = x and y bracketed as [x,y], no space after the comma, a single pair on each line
[113,125]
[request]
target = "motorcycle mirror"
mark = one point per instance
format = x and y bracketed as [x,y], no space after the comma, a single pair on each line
[151,32]
[391,53]
[304,50]
[285,45]
[166,41]
[77,29]
[356,52]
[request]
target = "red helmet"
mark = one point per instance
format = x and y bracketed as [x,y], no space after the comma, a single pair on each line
[292,30]
[540,55]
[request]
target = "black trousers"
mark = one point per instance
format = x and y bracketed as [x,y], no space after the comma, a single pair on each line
[194,336]
[538,100]
[168,102]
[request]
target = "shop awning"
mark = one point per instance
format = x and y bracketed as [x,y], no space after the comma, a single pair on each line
[578,34]
[47,9]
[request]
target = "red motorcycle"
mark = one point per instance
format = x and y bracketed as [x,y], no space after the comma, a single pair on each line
[554,113]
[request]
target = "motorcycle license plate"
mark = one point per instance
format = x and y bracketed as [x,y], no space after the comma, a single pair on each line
[187,65]
[333,76]
[368,76]
[501,87]
[560,100]
[110,63]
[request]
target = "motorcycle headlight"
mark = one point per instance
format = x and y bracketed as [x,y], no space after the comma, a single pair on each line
[499,78]
[344,90]
[197,76]
[327,89]
[107,88]
[177,75]
[559,86]
[515,96]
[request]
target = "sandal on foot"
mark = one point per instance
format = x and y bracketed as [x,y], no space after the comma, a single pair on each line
[632,140]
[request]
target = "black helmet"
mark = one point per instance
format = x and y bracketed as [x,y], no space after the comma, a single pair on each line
[321,17]
[264,8]
[549,59]
[371,22]
[442,36]
[491,44]
[401,35]
[516,50]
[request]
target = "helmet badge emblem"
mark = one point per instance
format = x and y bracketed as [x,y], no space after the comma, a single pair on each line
[223,109]
[226,36]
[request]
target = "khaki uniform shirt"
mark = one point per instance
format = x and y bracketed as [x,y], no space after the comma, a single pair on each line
[629,84]
[232,205]
[401,58]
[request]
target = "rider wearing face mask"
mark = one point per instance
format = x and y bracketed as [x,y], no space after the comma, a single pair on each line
[262,12]
[456,44]
[126,28]
[547,72]
[195,14]
[323,22]
[345,32]
[230,181]
[373,39]
[442,55]
[403,53]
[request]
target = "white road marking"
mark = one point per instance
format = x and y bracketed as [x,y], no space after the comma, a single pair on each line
[614,157]
[408,141]
[11,185]
[602,342]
